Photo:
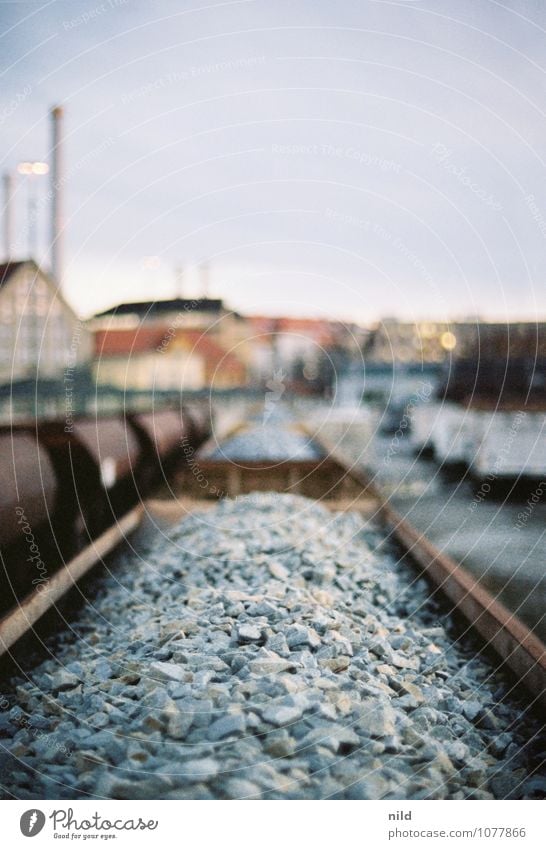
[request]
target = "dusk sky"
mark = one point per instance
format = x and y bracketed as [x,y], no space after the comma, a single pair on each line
[355,159]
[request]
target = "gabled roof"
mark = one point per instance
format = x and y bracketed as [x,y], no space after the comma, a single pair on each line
[7,269]
[150,309]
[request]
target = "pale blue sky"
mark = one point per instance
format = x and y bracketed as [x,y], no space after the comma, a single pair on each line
[358,158]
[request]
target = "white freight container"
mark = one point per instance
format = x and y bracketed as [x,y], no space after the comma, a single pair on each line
[511,444]
[343,427]
[423,418]
[456,434]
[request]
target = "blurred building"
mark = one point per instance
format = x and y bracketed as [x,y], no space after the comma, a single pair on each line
[141,359]
[287,343]
[41,338]
[169,345]
[196,313]
[495,359]
[436,342]
[221,367]
[413,342]
[197,343]
[499,361]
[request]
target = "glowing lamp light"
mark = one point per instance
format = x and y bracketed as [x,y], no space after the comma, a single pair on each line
[448,340]
[33,168]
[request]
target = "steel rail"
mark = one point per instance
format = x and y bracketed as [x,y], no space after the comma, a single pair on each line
[517,646]
[18,621]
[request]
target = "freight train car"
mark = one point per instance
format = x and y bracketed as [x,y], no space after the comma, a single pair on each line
[62,485]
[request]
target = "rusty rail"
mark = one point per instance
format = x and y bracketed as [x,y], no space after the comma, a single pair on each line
[20,620]
[522,651]
[503,630]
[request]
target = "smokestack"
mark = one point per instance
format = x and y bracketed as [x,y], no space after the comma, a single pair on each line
[8,219]
[179,277]
[56,194]
[205,278]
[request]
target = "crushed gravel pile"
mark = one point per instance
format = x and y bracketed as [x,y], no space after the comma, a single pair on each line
[267,443]
[267,649]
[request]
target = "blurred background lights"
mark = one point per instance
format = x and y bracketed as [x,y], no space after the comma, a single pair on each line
[33,168]
[448,340]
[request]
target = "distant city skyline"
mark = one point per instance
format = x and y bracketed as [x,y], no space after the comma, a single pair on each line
[354,161]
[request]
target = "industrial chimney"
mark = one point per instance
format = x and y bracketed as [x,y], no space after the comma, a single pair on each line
[8,220]
[56,194]
[204,274]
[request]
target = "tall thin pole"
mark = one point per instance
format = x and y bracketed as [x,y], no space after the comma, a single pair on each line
[179,275]
[8,217]
[32,220]
[204,270]
[56,194]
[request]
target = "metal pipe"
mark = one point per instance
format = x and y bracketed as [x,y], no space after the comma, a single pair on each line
[204,273]
[8,216]
[56,194]
[32,219]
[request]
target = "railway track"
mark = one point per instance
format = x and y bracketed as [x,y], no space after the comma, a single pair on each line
[332,480]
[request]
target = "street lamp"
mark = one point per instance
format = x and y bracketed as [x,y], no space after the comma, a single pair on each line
[32,170]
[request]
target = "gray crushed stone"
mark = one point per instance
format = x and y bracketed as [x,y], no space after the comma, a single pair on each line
[267,649]
[271,437]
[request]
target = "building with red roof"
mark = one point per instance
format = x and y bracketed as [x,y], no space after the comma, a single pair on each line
[163,357]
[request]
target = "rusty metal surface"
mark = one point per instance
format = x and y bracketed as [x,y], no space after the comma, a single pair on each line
[501,629]
[27,484]
[15,624]
[522,650]
[167,430]
[200,419]
[113,445]
[324,479]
